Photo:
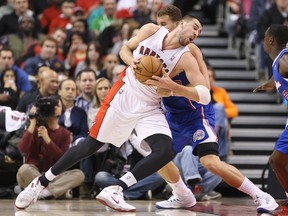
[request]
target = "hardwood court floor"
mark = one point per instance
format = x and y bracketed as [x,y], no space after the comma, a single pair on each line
[224,207]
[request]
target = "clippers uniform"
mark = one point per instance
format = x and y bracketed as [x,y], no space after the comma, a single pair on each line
[133,105]
[281,84]
[189,121]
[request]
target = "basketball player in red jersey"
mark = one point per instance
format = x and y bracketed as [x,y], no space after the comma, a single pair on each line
[131,105]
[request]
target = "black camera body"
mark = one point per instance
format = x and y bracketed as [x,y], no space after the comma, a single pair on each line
[45,108]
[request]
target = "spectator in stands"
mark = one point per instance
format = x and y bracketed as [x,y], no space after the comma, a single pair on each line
[276,14]
[63,20]
[59,35]
[49,13]
[46,57]
[42,144]
[142,12]
[100,22]
[76,53]
[74,118]
[7,62]
[86,80]
[102,87]
[9,22]
[110,62]
[8,89]
[48,85]
[80,25]
[86,83]
[25,37]
[93,59]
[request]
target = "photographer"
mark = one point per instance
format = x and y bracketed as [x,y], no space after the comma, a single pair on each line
[42,144]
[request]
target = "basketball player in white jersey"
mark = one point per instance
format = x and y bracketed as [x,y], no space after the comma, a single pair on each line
[131,105]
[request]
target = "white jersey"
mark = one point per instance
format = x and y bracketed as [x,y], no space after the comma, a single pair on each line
[152,46]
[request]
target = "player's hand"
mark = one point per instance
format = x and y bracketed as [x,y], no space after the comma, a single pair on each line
[164,82]
[264,87]
[133,63]
[42,132]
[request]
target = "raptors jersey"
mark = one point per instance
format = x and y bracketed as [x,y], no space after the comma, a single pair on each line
[280,82]
[153,46]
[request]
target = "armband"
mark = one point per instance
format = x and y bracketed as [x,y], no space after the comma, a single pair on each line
[203,94]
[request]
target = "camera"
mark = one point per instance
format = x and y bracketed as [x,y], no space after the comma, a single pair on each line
[45,108]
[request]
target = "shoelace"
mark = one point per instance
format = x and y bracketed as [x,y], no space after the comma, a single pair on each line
[39,189]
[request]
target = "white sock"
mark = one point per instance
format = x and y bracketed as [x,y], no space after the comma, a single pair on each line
[286,194]
[45,193]
[180,188]
[49,175]
[128,179]
[250,188]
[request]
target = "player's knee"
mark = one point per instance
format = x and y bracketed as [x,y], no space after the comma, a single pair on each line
[162,145]
[212,163]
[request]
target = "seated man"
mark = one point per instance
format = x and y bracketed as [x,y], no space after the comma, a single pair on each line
[42,144]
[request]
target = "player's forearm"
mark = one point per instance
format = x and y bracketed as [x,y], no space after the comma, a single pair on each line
[126,55]
[198,93]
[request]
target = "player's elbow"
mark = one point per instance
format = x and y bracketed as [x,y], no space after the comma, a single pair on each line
[203,94]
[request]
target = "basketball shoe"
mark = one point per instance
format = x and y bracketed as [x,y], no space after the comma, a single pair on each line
[112,197]
[29,194]
[176,202]
[266,203]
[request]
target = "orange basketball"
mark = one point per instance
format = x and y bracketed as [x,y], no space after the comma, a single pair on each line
[148,67]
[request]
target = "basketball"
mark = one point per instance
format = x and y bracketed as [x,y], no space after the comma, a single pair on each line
[147,67]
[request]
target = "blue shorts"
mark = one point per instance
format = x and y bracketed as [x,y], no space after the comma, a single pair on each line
[191,129]
[282,142]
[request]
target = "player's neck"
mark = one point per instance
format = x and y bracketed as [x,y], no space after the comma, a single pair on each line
[170,41]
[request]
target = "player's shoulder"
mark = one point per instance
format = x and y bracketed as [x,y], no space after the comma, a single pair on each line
[150,27]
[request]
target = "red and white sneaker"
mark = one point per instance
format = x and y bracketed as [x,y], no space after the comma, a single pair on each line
[112,197]
[31,193]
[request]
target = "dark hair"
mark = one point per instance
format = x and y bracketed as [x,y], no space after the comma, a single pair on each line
[7,49]
[172,11]
[98,48]
[61,83]
[85,70]
[50,38]
[3,74]
[191,17]
[280,33]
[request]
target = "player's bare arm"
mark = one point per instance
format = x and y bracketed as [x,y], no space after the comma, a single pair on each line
[269,85]
[196,52]
[198,91]
[127,49]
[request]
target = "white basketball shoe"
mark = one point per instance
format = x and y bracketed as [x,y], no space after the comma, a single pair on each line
[176,202]
[266,203]
[112,197]
[29,194]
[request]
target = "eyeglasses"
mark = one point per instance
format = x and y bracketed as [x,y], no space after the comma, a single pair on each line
[110,62]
